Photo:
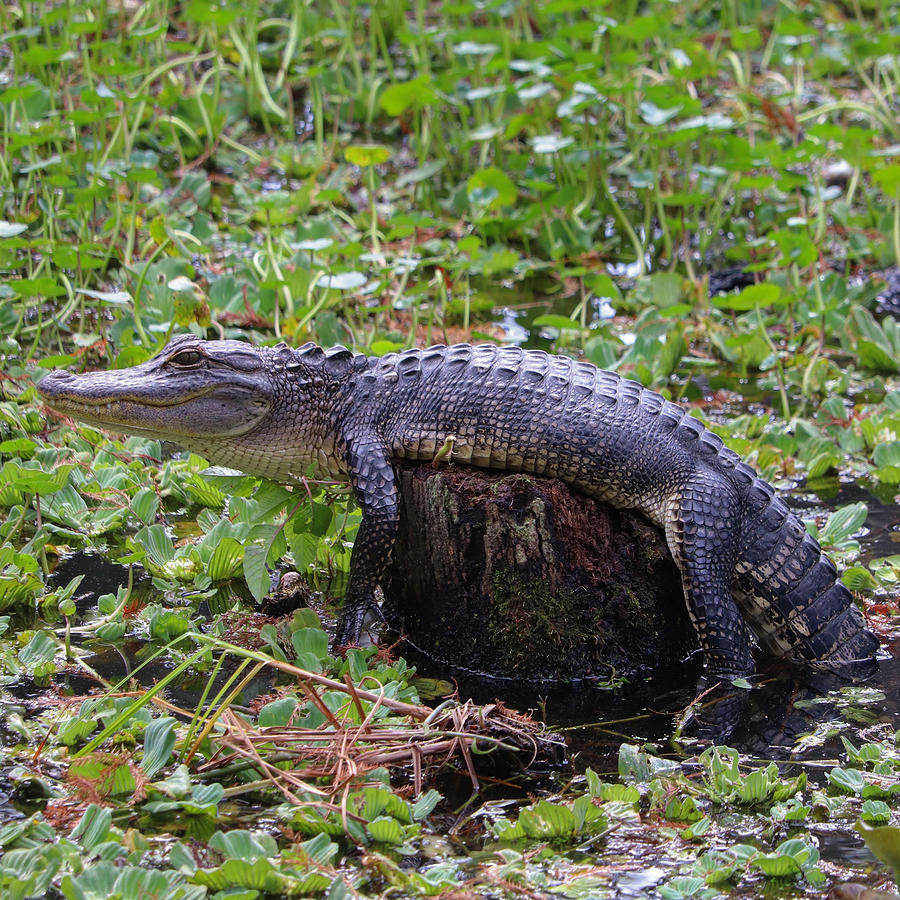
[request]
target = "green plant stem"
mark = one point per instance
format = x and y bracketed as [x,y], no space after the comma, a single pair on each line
[373,206]
[624,222]
[124,715]
[221,702]
[896,229]
[782,391]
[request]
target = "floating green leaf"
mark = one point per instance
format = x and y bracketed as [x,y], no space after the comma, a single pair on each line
[159,742]
[226,559]
[851,781]
[385,830]
[93,827]
[842,523]
[491,188]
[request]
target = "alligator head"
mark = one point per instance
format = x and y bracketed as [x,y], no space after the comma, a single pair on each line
[192,389]
[233,403]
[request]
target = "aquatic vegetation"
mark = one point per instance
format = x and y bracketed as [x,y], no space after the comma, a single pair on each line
[705,199]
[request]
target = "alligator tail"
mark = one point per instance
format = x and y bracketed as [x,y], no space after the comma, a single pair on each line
[800,607]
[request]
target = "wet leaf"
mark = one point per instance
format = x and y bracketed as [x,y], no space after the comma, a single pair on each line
[875,812]
[385,830]
[11,229]
[416,93]
[684,886]
[491,188]
[144,504]
[425,805]
[561,323]
[850,781]
[842,523]
[756,295]
[96,883]
[777,865]
[473,48]
[159,742]
[654,115]
[277,713]
[550,143]
[888,178]
[859,579]
[311,648]
[226,559]
[41,649]
[260,875]
[682,809]
[343,281]
[255,572]
[93,827]
[116,298]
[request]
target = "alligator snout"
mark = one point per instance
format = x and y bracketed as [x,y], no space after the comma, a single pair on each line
[51,380]
[55,383]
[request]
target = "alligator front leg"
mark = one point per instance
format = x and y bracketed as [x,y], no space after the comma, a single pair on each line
[703,530]
[372,477]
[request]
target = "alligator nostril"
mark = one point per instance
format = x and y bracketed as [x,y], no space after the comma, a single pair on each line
[52,380]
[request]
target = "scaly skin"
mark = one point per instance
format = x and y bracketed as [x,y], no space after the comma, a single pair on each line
[745,559]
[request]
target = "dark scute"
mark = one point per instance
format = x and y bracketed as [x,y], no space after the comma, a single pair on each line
[827,606]
[338,361]
[690,429]
[284,354]
[432,359]
[744,474]
[762,543]
[310,353]
[710,442]
[842,637]
[409,363]
[670,416]
[653,403]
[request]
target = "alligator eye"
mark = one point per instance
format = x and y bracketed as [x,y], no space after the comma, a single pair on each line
[186,358]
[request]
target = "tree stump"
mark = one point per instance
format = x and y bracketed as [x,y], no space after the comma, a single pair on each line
[514,576]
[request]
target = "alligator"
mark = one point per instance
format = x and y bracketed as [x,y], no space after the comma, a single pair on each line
[749,568]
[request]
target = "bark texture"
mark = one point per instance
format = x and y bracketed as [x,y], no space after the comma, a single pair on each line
[517,576]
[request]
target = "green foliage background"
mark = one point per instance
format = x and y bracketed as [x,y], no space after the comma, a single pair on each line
[381,174]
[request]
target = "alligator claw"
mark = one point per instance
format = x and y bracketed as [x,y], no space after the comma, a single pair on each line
[352,620]
[716,713]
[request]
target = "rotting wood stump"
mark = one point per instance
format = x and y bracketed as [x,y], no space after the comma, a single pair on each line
[514,576]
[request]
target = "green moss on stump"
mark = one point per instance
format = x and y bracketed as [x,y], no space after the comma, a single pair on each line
[527,613]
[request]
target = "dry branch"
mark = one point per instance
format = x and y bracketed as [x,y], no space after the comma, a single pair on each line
[353,741]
